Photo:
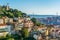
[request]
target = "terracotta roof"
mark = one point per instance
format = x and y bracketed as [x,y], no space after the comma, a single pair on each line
[2,24]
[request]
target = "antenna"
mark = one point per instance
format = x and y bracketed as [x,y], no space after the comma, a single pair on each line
[57,14]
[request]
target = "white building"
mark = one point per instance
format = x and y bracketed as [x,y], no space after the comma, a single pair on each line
[20,26]
[4,29]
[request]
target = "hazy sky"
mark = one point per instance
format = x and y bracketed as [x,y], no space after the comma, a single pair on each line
[39,7]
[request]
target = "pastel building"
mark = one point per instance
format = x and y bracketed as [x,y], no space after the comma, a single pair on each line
[27,18]
[19,26]
[7,20]
[28,24]
[20,20]
[10,20]
[4,29]
[55,32]
[2,21]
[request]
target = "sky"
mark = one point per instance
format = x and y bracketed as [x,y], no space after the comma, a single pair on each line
[37,7]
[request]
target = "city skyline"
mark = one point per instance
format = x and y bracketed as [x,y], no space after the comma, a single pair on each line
[37,7]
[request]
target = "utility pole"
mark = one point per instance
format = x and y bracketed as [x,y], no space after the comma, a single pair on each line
[33,14]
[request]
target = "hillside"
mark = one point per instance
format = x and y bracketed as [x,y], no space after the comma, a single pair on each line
[10,12]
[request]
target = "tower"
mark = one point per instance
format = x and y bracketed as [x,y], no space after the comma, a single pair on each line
[7,6]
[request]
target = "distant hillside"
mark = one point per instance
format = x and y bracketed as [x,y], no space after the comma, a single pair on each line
[41,16]
[47,19]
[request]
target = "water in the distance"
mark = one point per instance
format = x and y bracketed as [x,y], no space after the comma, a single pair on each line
[41,16]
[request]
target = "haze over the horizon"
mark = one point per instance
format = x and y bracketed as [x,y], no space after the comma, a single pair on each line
[38,7]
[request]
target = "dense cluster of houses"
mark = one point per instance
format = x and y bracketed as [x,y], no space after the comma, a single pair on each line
[4,27]
[9,25]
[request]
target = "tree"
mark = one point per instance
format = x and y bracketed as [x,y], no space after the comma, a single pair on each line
[11,15]
[22,33]
[8,35]
[11,12]
[24,15]
[16,37]
[34,20]
[25,30]
[38,23]
[19,14]
[29,38]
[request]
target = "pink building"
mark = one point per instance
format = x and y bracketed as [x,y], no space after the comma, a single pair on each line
[28,24]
